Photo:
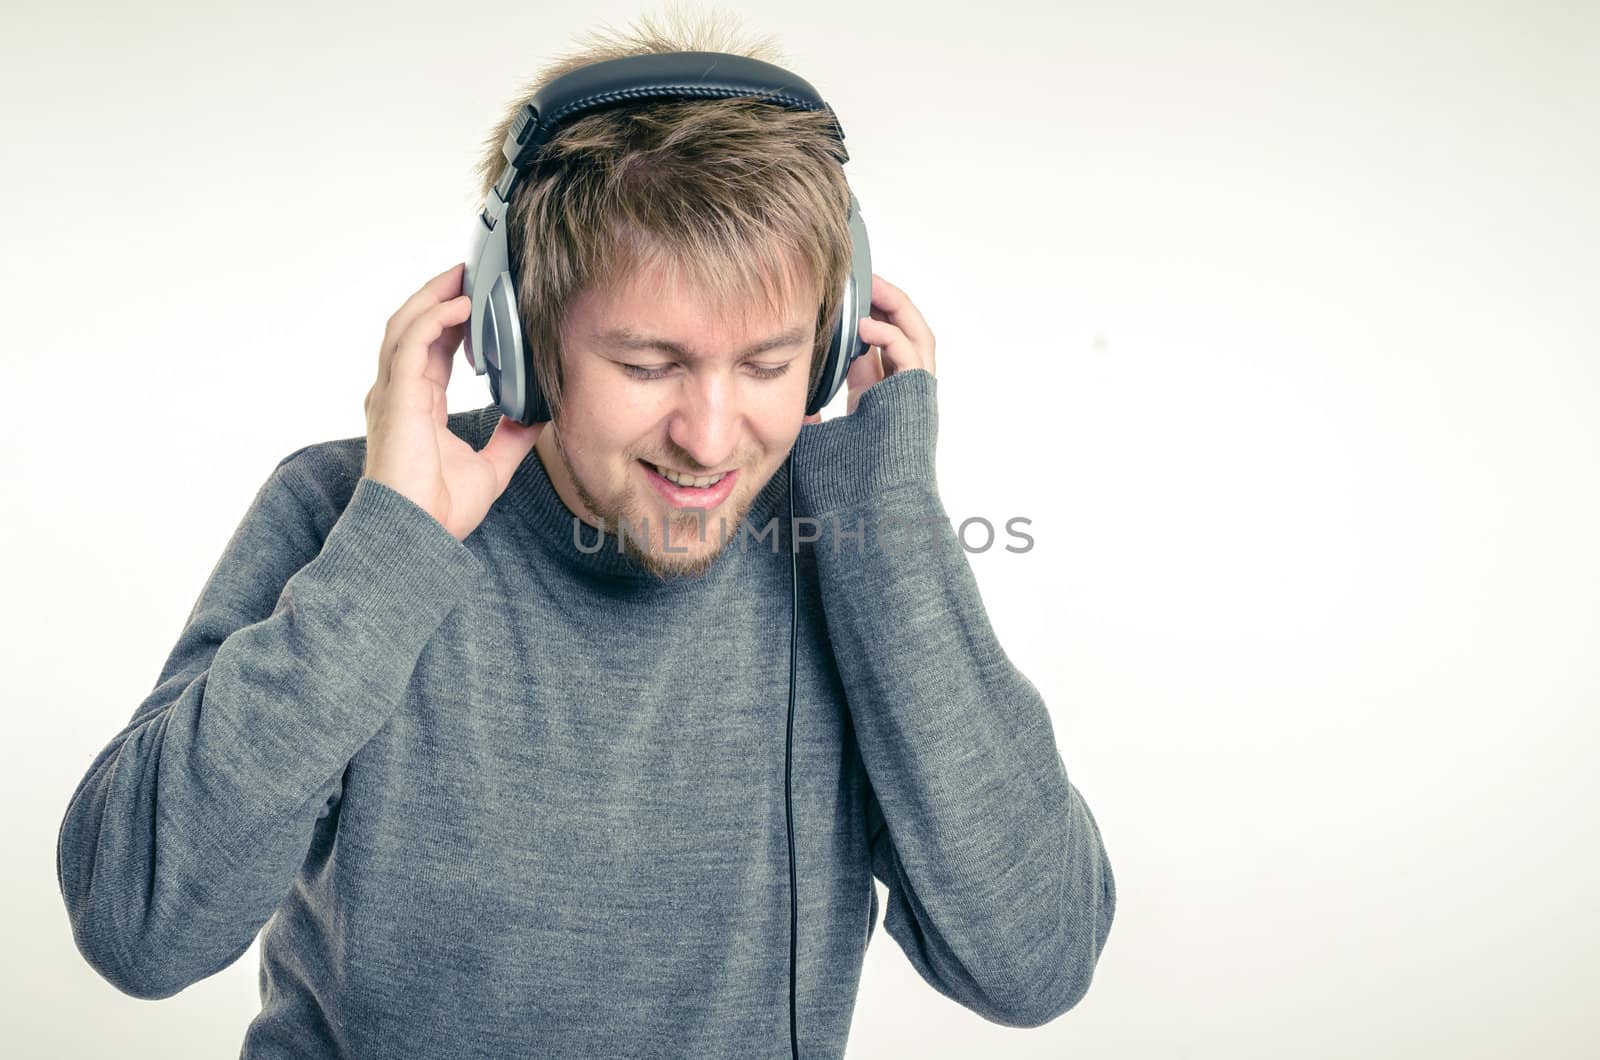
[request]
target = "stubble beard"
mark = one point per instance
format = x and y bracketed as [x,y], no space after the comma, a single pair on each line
[688,528]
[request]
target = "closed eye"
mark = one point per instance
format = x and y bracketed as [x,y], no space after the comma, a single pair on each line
[638,371]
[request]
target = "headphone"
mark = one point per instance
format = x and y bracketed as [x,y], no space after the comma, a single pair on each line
[494,338]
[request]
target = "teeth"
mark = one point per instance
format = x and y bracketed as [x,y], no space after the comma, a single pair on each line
[684,480]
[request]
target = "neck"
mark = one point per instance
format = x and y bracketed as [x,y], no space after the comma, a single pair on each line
[555,466]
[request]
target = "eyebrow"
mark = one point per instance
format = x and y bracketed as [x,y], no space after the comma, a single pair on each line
[625,338]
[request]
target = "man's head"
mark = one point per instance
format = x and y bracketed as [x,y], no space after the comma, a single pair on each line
[709,226]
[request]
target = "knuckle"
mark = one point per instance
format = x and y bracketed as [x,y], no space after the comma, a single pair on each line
[424,326]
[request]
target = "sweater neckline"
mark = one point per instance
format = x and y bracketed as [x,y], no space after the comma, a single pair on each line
[532,496]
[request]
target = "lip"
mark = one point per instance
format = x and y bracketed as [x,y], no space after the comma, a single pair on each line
[689,497]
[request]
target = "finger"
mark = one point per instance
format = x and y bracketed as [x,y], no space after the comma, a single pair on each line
[441,288]
[864,371]
[899,311]
[509,446]
[424,350]
[899,352]
[815,417]
[442,350]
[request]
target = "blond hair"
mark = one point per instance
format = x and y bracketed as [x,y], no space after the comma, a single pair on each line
[748,197]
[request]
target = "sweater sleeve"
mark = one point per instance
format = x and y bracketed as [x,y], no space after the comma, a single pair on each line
[999,888]
[188,829]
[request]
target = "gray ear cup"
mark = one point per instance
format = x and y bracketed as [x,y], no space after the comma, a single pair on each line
[494,332]
[503,335]
[855,303]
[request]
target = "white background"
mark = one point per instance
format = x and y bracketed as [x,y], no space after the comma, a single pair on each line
[1277,320]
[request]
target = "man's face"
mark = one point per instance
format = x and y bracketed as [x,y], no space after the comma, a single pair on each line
[729,400]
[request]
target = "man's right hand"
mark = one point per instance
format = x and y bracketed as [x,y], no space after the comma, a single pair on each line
[410,448]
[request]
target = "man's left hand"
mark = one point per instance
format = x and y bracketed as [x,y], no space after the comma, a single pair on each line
[900,339]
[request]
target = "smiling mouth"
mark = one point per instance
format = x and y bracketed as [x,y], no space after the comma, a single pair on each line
[678,496]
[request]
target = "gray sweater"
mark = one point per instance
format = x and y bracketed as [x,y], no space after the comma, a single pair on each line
[510,796]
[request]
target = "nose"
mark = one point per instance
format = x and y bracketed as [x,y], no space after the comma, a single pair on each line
[705,425]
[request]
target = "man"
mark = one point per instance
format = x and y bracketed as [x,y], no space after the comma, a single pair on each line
[487,790]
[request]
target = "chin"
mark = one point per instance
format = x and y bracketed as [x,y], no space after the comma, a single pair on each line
[695,559]
[696,538]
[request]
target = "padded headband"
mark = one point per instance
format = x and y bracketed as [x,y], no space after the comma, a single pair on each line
[670,75]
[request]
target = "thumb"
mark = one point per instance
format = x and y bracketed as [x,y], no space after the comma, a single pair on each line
[509,446]
[864,371]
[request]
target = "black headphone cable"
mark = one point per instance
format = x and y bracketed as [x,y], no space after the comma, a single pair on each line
[788,758]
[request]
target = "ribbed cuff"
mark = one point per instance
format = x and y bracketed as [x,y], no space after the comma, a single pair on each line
[888,441]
